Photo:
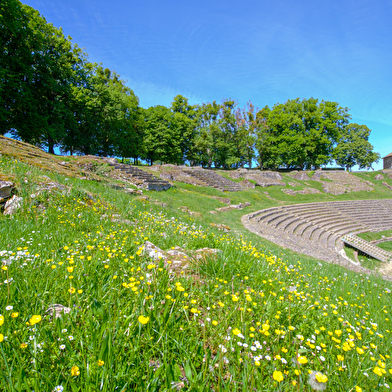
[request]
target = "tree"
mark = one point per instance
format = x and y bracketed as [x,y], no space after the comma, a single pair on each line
[354,148]
[302,133]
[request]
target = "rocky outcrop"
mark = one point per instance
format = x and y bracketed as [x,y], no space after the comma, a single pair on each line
[12,205]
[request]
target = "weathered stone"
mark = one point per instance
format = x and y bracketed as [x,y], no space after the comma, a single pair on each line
[305,191]
[57,310]
[248,184]
[6,188]
[302,175]
[12,205]
[221,227]
[387,185]
[378,177]
[152,251]
[204,253]
[224,200]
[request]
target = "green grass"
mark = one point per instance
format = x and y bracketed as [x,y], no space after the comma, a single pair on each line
[371,236]
[387,245]
[236,322]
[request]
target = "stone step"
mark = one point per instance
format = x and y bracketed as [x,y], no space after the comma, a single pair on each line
[367,248]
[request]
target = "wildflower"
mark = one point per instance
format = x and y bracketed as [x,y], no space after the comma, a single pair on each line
[72,290]
[1,337]
[35,319]
[14,314]
[70,337]
[75,371]
[1,319]
[100,362]
[23,345]
[62,347]
[318,381]
[278,376]
[59,388]
[358,389]
[143,320]
[236,331]
[9,307]
[302,360]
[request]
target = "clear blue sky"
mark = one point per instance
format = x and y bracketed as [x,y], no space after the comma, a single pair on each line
[263,51]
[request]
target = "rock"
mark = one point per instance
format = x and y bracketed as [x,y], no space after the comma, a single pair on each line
[196,214]
[387,185]
[6,188]
[305,191]
[184,209]
[57,310]
[224,200]
[224,209]
[204,253]
[152,251]
[12,205]
[379,177]
[302,175]
[221,227]
[213,212]
[247,184]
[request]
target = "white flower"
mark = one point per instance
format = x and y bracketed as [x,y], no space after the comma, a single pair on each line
[65,330]
[322,358]
[59,388]
[9,307]
[267,357]
[240,335]
[62,347]
[253,348]
[70,337]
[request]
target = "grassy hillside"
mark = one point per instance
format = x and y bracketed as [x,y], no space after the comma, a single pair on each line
[250,317]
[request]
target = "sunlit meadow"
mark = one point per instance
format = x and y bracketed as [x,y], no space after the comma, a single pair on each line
[243,320]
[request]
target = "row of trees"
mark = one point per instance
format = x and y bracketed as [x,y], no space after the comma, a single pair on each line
[50,95]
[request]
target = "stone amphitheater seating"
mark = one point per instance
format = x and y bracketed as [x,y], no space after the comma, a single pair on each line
[317,228]
[214,180]
[146,180]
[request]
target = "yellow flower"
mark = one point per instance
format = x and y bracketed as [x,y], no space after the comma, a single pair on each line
[72,290]
[143,320]
[14,314]
[180,288]
[100,362]
[70,269]
[340,357]
[1,319]
[214,322]
[358,389]
[234,298]
[359,350]
[75,371]
[379,371]
[221,304]
[321,377]
[23,345]
[194,310]
[1,337]
[35,319]
[302,360]
[236,331]
[80,291]
[278,376]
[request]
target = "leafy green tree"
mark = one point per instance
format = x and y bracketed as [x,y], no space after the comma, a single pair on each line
[302,133]
[354,148]
[207,116]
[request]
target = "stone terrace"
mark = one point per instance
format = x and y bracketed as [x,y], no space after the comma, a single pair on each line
[214,180]
[316,229]
[142,178]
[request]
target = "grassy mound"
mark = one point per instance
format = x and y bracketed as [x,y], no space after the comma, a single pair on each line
[253,317]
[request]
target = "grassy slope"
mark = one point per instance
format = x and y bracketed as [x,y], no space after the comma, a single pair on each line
[254,287]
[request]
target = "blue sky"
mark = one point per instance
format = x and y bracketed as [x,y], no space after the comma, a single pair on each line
[266,52]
